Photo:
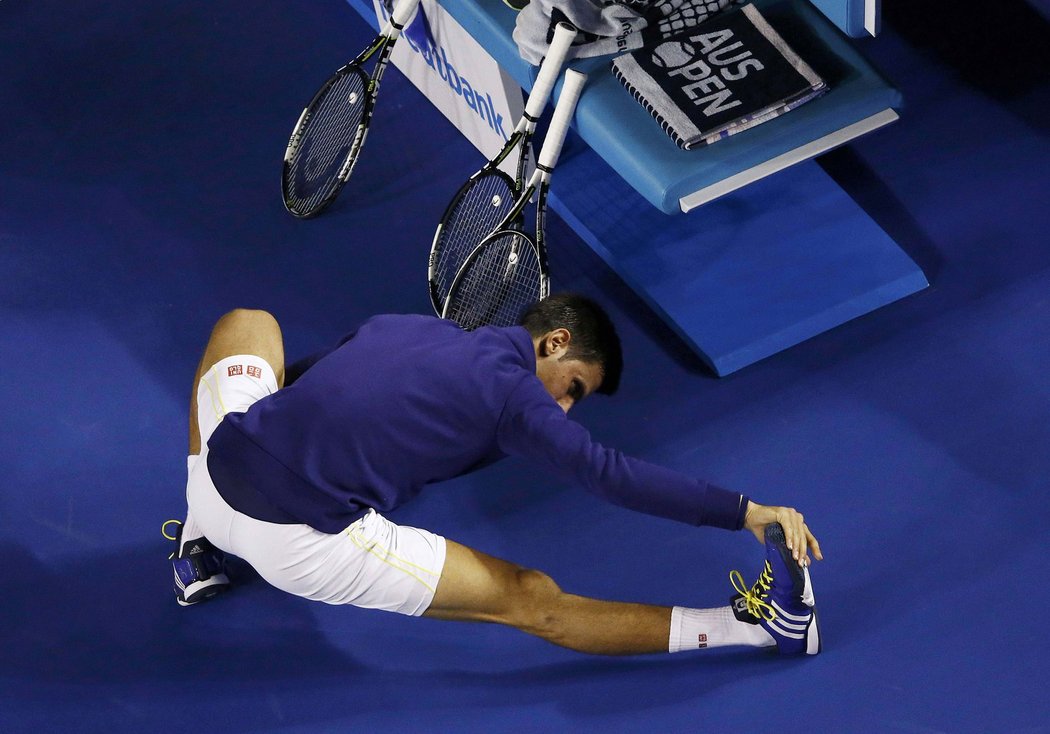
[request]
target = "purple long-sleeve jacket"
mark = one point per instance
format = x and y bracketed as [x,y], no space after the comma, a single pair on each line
[410,400]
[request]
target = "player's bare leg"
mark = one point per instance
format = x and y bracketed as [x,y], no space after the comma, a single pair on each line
[241,331]
[778,609]
[480,588]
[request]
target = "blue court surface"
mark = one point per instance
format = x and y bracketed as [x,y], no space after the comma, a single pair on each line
[140,199]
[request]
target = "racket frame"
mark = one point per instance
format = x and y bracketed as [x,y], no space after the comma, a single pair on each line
[383,43]
[539,182]
[520,140]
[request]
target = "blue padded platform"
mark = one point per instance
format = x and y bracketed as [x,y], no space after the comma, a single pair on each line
[853,17]
[674,180]
[747,276]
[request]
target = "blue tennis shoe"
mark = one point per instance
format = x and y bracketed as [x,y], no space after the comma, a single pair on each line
[781,600]
[200,569]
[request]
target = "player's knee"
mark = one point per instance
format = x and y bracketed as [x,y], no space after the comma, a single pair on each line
[535,584]
[247,331]
[247,320]
[536,604]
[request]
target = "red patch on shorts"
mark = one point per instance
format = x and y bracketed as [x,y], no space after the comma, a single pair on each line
[254,371]
[235,369]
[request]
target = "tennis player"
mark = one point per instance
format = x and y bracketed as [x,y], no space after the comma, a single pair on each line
[293,469]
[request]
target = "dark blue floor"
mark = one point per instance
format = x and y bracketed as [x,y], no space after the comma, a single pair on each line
[139,199]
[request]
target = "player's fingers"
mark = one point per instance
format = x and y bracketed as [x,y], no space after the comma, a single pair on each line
[801,543]
[814,545]
[801,539]
[794,525]
[811,545]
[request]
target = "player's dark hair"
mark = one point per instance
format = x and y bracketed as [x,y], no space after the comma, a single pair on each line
[594,338]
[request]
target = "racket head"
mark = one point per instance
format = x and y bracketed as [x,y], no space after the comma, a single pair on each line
[325,142]
[499,280]
[478,208]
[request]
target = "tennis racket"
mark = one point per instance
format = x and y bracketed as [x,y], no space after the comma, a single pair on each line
[484,200]
[331,131]
[507,271]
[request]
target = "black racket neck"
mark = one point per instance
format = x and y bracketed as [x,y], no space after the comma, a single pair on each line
[516,213]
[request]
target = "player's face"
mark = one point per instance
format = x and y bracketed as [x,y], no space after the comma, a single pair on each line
[568,380]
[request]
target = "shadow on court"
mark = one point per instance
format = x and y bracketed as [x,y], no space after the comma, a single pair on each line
[104,635]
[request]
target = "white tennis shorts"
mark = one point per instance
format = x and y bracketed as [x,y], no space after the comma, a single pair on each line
[373,563]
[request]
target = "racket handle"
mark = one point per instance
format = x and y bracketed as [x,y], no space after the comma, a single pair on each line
[564,34]
[403,10]
[570,95]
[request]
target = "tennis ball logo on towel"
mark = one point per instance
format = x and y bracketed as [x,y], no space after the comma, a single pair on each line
[672,54]
[709,78]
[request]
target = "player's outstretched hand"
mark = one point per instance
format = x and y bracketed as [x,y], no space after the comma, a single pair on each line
[797,534]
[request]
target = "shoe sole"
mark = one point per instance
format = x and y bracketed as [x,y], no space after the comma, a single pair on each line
[813,645]
[813,633]
[202,590]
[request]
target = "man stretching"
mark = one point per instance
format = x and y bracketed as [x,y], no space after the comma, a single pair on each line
[292,470]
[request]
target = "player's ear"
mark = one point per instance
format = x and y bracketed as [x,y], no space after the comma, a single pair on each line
[558,340]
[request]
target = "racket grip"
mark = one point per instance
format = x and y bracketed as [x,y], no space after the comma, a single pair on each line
[564,34]
[403,10]
[570,95]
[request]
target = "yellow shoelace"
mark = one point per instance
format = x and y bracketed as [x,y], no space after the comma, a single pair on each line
[164,531]
[755,597]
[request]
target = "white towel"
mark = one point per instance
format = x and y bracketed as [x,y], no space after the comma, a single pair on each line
[608,27]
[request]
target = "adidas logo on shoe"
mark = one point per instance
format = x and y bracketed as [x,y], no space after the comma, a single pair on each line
[200,570]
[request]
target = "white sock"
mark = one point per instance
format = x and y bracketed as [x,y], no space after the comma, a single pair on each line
[696,629]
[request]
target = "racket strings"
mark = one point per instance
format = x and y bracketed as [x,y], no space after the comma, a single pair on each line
[313,169]
[497,285]
[477,214]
